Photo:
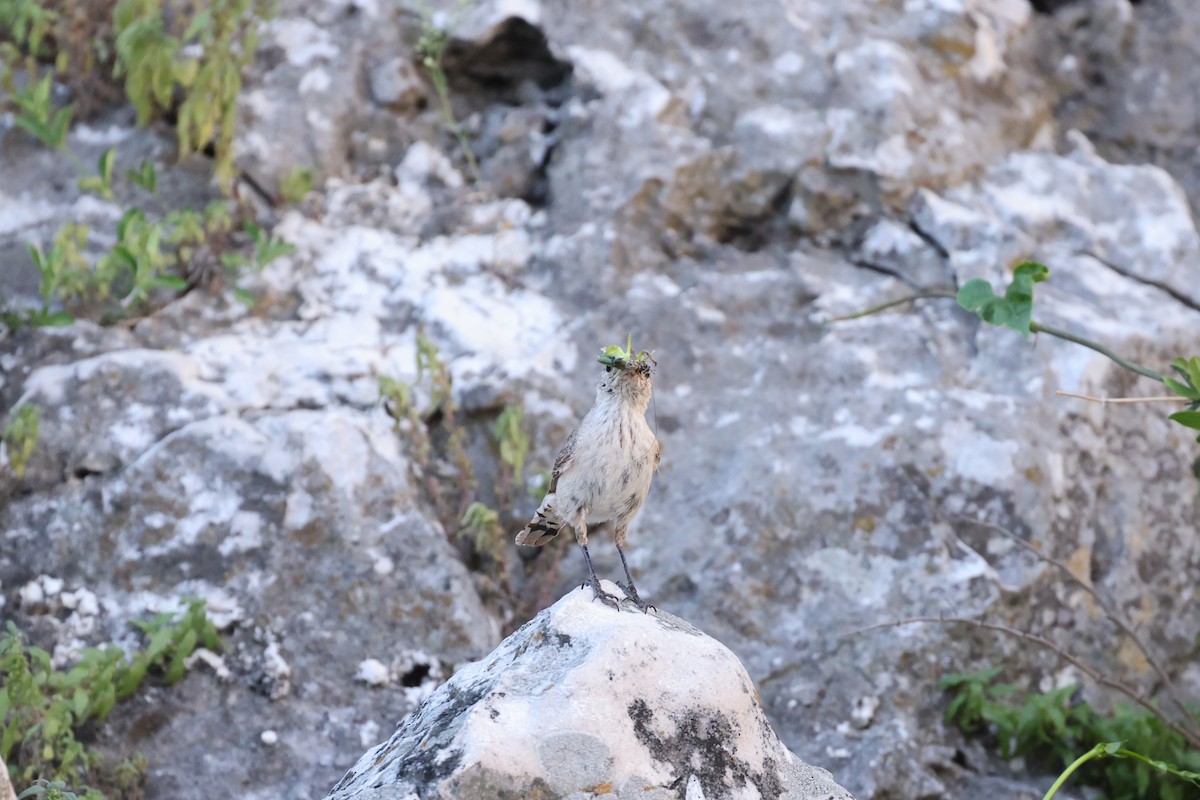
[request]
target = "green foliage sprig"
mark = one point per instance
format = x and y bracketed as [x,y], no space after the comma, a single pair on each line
[617,357]
[294,186]
[63,273]
[1188,387]
[38,116]
[1051,728]
[101,182]
[509,432]
[42,709]
[21,436]
[203,63]
[481,525]
[1014,310]
[431,50]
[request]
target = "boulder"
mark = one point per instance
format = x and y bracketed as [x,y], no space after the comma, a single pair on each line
[585,701]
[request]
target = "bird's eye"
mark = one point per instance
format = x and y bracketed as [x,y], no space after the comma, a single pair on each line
[608,369]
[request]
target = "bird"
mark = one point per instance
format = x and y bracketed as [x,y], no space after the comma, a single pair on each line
[603,471]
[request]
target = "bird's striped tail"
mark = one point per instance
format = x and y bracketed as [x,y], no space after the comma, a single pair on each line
[543,527]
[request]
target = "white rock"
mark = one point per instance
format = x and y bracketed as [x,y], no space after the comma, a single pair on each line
[31,594]
[584,696]
[269,738]
[372,672]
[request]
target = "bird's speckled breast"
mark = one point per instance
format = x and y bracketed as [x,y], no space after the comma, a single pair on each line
[615,458]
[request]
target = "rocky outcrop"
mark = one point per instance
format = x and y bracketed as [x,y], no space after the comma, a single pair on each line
[584,701]
[725,182]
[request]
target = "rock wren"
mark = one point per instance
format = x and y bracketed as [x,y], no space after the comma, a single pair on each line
[603,472]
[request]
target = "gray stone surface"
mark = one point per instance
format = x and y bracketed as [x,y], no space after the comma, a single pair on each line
[585,700]
[724,182]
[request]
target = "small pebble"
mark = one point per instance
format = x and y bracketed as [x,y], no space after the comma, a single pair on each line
[269,738]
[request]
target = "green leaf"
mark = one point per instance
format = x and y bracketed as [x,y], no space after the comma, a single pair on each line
[1181,389]
[79,703]
[244,297]
[105,165]
[125,255]
[974,294]
[57,319]
[177,667]
[39,258]
[169,282]
[34,128]
[58,127]
[1015,309]
[146,176]
[1188,419]
[1192,366]
[126,219]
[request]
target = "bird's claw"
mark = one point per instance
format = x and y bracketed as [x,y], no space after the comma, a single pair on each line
[608,599]
[631,594]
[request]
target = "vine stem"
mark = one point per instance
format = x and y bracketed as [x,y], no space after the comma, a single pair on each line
[1037,327]
[1034,327]
[1076,764]
[931,294]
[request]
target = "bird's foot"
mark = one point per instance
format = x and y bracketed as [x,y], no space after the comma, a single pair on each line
[598,593]
[631,593]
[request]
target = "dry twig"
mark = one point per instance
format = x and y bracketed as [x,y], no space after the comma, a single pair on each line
[1112,615]
[1124,400]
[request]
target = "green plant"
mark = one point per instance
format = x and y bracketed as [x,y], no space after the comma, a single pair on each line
[42,709]
[296,184]
[37,115]
[1014,310]
[509,432]
[267,248]
[145,176]
[438,439]
[63,273]
[52,790]
[21,436]
[201,55]
[481,525]
[101,182]
[1051,727]
[137,263]
[1115,750]
[431,50]
[26,22]
[1187,387]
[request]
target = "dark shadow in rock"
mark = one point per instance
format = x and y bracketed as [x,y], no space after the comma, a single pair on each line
[511,54]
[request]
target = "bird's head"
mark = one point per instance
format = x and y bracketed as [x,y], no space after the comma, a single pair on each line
[627,373]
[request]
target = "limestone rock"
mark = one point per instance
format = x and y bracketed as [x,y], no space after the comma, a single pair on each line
[585,701]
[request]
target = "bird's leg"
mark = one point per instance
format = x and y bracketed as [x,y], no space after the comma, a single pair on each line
[580,526]
[631,590]
[597,592]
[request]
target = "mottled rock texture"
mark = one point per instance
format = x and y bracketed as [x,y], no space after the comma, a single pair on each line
[584,701]
[725,181]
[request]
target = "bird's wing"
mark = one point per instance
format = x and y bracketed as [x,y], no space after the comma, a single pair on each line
[563,462]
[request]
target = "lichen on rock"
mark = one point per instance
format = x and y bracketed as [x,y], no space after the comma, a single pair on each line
[584,701]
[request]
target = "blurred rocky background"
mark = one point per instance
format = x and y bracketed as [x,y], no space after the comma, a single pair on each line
[332,451]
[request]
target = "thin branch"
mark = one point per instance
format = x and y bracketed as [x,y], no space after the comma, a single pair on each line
[1037,327]
[1103,680]
[1125,400]
[1112,615]
[932,293]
